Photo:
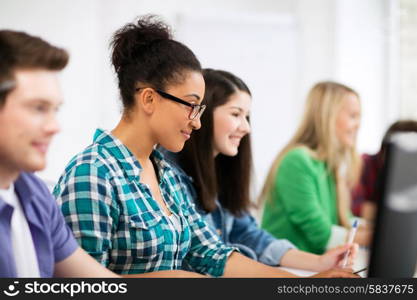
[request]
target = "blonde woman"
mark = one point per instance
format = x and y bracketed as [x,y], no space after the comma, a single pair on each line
[306,193]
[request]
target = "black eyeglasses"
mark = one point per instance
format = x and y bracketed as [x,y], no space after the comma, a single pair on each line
[196,109]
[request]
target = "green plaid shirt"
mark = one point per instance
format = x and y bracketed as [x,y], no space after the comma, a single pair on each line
[116,220]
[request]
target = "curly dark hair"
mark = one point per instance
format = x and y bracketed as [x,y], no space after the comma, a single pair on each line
[145,52]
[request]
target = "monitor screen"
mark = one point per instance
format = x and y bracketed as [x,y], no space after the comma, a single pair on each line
[394,246]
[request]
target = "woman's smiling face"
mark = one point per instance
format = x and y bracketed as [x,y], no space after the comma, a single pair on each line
[231,123]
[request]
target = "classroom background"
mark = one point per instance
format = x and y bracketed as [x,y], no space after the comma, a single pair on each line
[280,48]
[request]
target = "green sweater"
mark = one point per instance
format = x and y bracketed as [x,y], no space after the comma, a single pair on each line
[303,208]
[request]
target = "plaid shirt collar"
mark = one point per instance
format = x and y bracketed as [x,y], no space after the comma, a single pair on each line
[130,165]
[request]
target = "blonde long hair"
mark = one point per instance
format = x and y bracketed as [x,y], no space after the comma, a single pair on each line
[317,132]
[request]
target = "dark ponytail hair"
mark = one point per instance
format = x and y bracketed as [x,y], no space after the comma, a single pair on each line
[145,52]
[225,177]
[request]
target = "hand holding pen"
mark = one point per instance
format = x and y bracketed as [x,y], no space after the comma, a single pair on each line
[351,238]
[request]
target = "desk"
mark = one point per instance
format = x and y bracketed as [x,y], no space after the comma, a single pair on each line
[361,262]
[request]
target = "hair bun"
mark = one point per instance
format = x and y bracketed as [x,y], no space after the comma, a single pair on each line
[135,37]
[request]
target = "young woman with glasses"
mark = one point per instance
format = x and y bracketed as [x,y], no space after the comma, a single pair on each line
[215,168]
[121,198]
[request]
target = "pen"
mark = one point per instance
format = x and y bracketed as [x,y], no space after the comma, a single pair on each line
[361,270]
[351,237]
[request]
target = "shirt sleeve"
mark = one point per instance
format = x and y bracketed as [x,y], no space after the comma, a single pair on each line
[208,254]
[85,197]
[63,242]
[268,249]
[296,187]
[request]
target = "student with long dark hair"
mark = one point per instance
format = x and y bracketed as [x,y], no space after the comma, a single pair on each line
[215,169]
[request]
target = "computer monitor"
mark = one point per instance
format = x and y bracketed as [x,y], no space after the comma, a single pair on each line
[394,246]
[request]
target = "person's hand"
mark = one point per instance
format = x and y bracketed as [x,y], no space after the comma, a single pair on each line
[334,258]
[364,236]
[336,273]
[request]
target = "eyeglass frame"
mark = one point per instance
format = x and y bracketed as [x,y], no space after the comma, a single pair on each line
[201,107]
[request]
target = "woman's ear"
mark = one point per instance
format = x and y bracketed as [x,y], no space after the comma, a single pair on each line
[146,100]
